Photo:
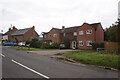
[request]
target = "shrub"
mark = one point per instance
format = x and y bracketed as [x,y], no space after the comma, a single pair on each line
[97,45]
[35,43]
[27,42]
[55,45]
[45,45]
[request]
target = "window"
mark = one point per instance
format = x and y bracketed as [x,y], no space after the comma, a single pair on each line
[54,35]
[50,35]
[89,32]
[89,43]
[75,34]
[81,32]
[45,36]
[64,34]
[81,43]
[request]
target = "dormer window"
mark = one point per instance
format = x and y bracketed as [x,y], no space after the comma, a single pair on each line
[81,32]
[89,32]
[75,33]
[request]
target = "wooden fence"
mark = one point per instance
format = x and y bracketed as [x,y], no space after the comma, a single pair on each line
[111,45]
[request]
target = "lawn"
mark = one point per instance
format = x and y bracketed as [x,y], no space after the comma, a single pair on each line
[26,48]
[93,58]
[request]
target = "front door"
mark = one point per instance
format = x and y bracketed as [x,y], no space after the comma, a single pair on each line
[74,44]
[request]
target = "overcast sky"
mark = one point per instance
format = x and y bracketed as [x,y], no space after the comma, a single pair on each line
[45,14]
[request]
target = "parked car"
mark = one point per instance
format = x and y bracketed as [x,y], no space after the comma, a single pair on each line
[21,44]
[9,44]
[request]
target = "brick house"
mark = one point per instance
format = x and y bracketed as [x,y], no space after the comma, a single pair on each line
[59,35]
[7,35]
[80,37]
[23,35]
[89,33]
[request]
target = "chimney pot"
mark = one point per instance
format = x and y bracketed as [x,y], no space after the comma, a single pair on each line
[13,27]
[9,29]
[63,27]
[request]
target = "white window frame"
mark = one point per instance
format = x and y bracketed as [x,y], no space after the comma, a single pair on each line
[75,33]
[81,32]
[89,32]
[54,35]
[88,43]
[81,42]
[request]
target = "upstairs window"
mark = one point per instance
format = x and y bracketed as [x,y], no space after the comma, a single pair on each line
[89,32]
[75,33]
[81,32]
[54,35]
[81,43]
[89,43]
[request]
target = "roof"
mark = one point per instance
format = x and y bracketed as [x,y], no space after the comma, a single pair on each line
[21,32]
[70,29]
[7,32]
[94,25]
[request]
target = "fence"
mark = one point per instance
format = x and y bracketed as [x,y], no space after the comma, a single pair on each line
[111,45]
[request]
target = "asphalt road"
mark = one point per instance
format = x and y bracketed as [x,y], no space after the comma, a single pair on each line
[20,64]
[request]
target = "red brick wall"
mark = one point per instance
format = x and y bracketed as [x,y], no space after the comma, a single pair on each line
[9,35]
[85,37]
[27,36]
[30,34]
[100,34]
[54,39]
[71,37]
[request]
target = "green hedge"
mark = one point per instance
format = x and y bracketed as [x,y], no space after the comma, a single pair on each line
[97,45]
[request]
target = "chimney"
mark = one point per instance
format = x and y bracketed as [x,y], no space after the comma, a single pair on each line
[63,27]
[33,27]
[13,27]
[9,29]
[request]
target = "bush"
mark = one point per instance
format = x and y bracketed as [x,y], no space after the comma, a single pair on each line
[27,42]
[55,45]
[35,43]
[45,45]
[97,45]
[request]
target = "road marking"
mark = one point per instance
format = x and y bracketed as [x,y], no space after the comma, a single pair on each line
[30,69]
[2,55]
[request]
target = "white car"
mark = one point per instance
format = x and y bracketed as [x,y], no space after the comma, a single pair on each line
[21,44]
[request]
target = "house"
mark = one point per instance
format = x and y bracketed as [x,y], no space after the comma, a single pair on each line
[7,35]
[79,37]
[88,34]
[60,35]
[23,35]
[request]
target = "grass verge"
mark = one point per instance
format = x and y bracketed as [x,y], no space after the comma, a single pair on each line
[26,48]
[93,58]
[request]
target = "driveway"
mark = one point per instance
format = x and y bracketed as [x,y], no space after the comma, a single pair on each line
[50,52]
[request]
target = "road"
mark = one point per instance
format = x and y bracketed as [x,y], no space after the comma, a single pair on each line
[20,64]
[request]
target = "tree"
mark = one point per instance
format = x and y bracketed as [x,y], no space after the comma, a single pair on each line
[112,33]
